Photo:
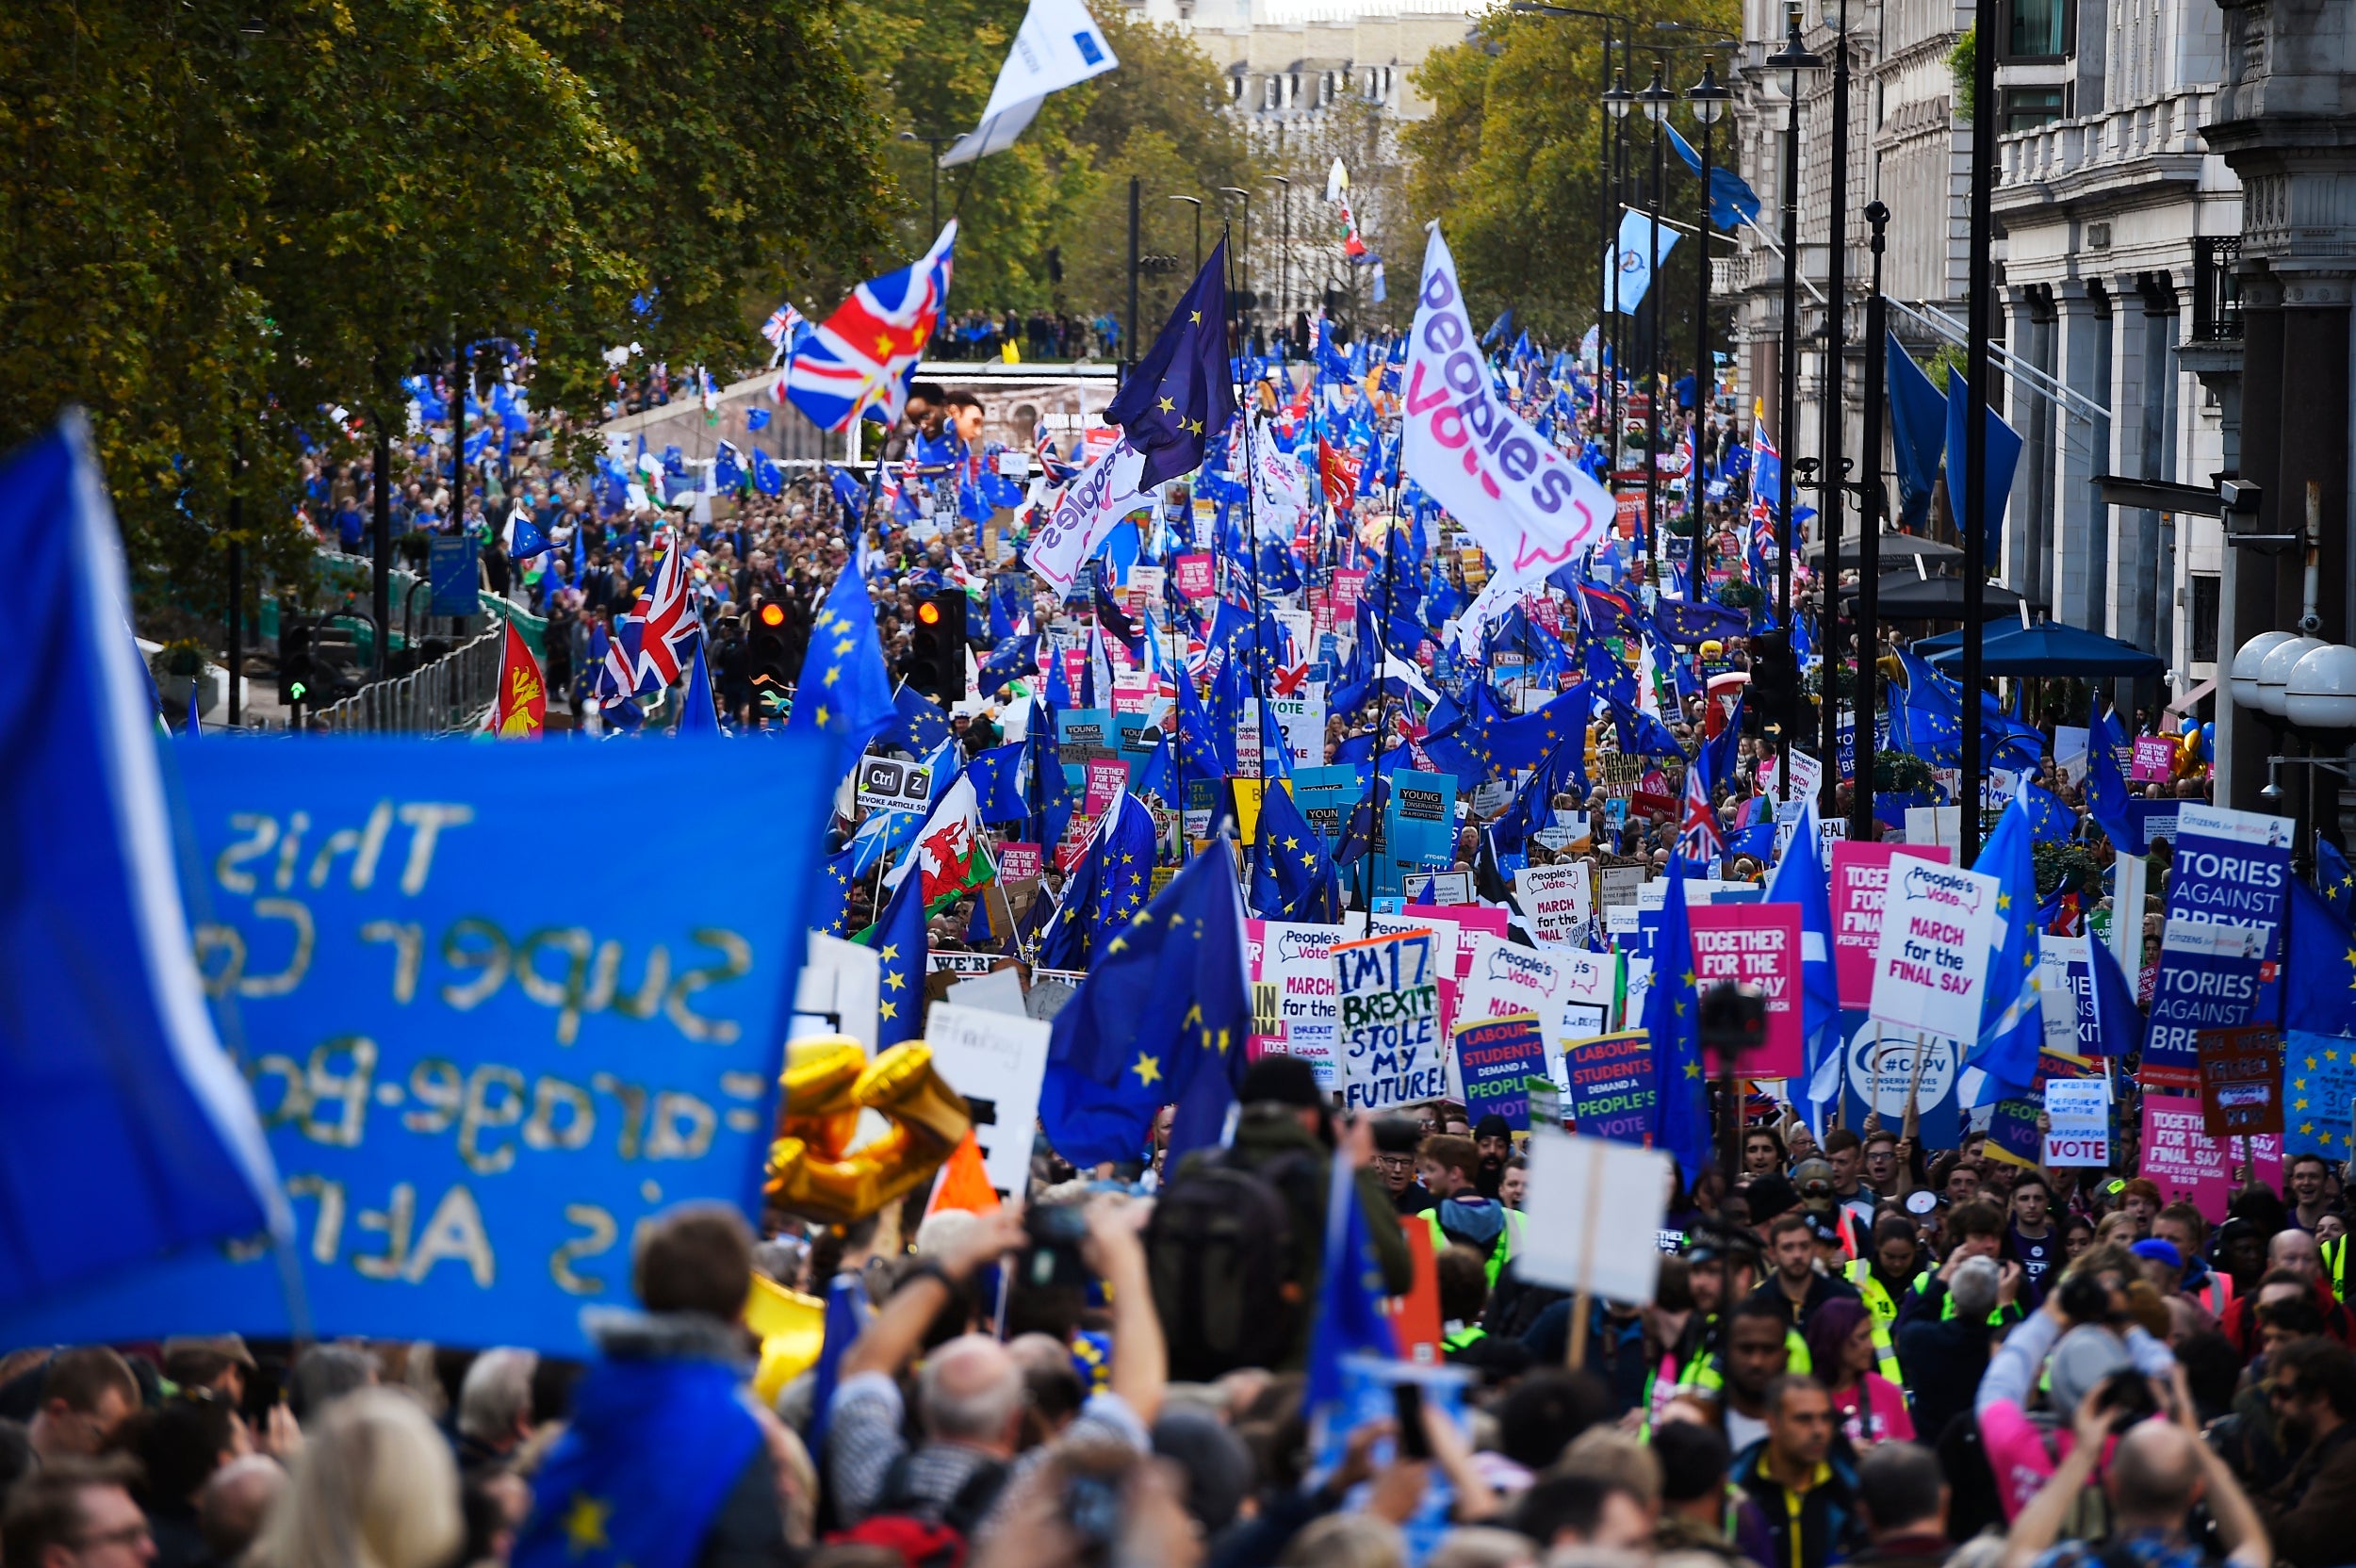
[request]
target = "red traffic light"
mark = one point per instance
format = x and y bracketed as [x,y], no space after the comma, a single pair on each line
[928,612]
[771,614]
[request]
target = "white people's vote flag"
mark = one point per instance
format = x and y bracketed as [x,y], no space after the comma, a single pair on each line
[1058,45]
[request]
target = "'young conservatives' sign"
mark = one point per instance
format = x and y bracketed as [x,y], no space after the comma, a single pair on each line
[474,1096]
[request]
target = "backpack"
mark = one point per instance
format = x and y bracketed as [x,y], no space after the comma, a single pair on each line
[899,1525]
[1220,1252]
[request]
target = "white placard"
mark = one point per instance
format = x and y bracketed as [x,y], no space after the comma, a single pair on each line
[1302,717]
[1294,962]
[2077,1119]
[1806,774]
[837,991]
[1569,989]
[998,1064]
[1619,887]
[1560,901]
[888,784]
[998,991]
[2053,984]
[1930,967]
[1934,824]
[1595,1211]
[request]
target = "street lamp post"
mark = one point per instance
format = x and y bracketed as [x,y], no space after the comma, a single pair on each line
[1617,101]
[1794,57]
[1832,436]
[1709,99]
[1975,409]
[1657,100]
[1285,256]
[1196,202]
[932,167]
[1869,548]
[1243,258]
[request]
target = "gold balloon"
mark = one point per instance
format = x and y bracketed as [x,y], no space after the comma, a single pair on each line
[813,1169]
[792,1328]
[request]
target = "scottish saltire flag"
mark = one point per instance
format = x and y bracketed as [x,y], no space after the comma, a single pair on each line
[1161,1019]
[2012,1024]
[1800,879]
[862,357]
[109,1062]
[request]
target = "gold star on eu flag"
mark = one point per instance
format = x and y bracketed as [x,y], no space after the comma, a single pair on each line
[1148,1070]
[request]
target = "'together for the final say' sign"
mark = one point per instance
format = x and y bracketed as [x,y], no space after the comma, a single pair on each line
[1931,960]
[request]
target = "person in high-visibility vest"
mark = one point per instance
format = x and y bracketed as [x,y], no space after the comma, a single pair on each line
[2184,1228]
[1883,1279]
[1449,1168]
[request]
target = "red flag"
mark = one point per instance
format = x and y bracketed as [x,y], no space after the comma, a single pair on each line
[522,709]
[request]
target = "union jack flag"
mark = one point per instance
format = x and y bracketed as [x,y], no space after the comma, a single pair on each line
[779,329]
[1056,470]
[864,354]
[1698,837]
[666,623]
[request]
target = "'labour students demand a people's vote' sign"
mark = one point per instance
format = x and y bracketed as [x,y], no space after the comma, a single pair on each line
[477,1075]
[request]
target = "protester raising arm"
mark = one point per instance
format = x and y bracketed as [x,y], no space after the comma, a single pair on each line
[1140,1368]
[892,1339]
[2041,1521]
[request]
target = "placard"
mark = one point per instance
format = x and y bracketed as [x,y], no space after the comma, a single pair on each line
[1086,734]
[1302,717]
[1196,579]
[474,1099]
[2225,896]
[2182,1159]
[1860,879]
[1293,1005]
[1756,944]
[1808,774]
[1595,1210]
[1616,887]
[888,784]
[2241,1081]
[997,1063]
[1390,1040]
[1612,1091]
[1494,1056]
[1018,863]
[2154,760]
[2319,1092]
[1570,989]
[1559,901]
[2078,1122]
[1106,780]
[1448,886]
[1930,965]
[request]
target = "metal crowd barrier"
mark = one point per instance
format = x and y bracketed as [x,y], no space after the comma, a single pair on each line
[446,694]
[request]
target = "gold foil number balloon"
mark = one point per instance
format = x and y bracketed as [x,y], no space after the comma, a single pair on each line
[815,1170]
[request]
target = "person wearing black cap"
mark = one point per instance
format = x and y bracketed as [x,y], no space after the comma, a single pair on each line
[1285,1137]
[1395,1141]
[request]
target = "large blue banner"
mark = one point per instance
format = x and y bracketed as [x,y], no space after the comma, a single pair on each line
[497,1005]
[2224,933]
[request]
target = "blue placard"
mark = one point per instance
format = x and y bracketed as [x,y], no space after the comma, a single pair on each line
[2232,870]
[474,1090]
[1494,1056]
[451,564]
[1884,1068]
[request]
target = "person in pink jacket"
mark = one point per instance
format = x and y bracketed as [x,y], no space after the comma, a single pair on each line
[1869,1408]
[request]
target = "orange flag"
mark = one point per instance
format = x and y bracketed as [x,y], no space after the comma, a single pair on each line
[963,1183]
[522,708]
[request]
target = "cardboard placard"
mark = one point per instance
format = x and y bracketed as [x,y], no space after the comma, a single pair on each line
[1560,901]
[2241,1079]
[1613,1088]
[997,1063]
[1756,944]
[1595,1210]
[1390,1040]
[1293,1005]
[2078,1122]
[1494,1056]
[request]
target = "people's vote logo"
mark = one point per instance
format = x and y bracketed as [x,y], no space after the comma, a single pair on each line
[1954,891]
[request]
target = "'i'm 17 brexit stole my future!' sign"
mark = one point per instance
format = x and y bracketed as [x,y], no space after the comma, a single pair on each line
[481,1066]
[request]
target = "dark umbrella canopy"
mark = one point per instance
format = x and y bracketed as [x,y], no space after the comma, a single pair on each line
[2047,648]
[1894,547]
[1906,596]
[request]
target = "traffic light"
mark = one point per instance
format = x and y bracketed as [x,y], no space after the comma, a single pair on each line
[937,647]
[296,681]
[765,651]
[1774,675]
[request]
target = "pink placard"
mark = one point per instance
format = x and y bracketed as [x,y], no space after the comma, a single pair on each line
[1075,667]
[1195,575]
[2180,1158]
[1350,585]
[2155,759]
[1107,778]
[1018,862]
[1757,943]
[1861,876]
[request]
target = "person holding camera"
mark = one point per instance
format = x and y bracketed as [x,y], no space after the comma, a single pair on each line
[2082,1336]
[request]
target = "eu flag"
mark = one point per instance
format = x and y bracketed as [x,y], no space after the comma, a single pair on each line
[2334,881]
[1673,1023]
[921,726]
[901,958]
[1291,876]
[1162,1018]
[1349,1316]
[1000,776]
[1179,398]
[2012,1026]
[844,690]
[1107,887]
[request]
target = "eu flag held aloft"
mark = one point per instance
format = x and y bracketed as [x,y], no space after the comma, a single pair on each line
[1179,398]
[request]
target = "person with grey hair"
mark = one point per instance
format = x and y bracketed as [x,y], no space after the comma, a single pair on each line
[971,1391]
[236,1499]
[324,1374]
[495,1407]
[1945,1356]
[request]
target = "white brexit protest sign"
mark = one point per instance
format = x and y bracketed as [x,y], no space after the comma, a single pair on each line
[1594,1212]
[1938,926]
[1392,1051]
[1560,900]
[1569,989]
[997,1061]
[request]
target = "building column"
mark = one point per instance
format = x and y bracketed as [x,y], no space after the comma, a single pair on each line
[2313,450]
[2078,582]
[2025,409]
[2132,590]
[2246,596]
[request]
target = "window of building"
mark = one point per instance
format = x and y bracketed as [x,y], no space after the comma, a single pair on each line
[2204,607]
[2037,29]
[2027,108]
